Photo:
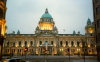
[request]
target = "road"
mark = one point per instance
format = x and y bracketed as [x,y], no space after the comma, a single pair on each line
[59,58]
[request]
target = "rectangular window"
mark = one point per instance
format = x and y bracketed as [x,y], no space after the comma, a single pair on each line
[96,1]
[98,37]
[98,10]
[98,23]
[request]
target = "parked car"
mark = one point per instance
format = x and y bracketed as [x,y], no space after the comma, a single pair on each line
[13,60]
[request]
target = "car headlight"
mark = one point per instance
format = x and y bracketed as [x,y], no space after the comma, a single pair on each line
[4,61]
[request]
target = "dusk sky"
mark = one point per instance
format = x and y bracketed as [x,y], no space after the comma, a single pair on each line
[68,15]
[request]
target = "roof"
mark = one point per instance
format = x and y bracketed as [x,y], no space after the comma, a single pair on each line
[46,14]
[88,21]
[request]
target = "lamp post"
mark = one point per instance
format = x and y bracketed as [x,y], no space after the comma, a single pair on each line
[46,50]
[84,47]
[69,53]
[25,50]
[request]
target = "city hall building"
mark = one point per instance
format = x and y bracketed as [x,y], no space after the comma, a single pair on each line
[47,40]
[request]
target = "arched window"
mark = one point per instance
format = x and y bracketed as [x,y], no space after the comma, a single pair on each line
[66,43]
[19,43]
[40,42]
[78,43]
[8,44]
[85,43]
[72,43]
[46,42]
[14,44]
[31,43]
[61,43]
[52,42]
[25,43]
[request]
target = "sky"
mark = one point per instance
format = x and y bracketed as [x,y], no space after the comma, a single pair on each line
[68,15]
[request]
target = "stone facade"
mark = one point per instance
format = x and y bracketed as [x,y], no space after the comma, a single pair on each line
[96,10]
[46,40]
[2,24]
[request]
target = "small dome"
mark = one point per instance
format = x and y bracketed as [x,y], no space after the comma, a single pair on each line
[46,14]
[89,21]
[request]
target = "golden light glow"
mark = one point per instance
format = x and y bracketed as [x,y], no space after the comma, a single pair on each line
[28,45]
[22,45]
[88,45]
[78,50]
[81,46]
[45,26]
[37,45]
[55,52]
[54,45]
[16,45]
[37,52]
[61,49]
[75,45]
[2,27]
[64,45]
[69,45]
[90,30]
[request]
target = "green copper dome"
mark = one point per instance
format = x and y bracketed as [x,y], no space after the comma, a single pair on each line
[46,14]
[89,22]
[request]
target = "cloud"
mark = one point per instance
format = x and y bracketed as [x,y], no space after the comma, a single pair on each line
[68,14]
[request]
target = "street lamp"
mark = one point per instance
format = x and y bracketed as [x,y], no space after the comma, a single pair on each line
[46,50]
[84,47]
[25,50]
[69,53]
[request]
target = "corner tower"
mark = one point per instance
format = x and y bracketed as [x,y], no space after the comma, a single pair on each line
[46,25]
[89,28]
